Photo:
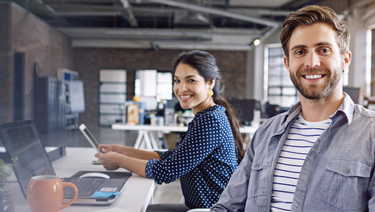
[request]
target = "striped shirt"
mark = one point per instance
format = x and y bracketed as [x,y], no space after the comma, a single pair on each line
[302,136]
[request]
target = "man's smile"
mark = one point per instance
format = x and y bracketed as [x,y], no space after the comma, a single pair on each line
[313,76]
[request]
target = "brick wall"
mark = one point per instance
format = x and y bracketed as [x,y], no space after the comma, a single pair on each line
[88,62]
[50,50]
[41,44]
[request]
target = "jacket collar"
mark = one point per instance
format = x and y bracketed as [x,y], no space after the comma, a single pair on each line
[346,108]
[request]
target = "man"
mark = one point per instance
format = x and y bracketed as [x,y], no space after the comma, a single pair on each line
[318,156]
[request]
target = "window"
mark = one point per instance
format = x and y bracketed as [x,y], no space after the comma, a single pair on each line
[154,83]
[164,85]
[145,83]
[280,89]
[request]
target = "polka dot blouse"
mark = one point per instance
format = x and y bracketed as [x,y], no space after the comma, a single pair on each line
[204,160]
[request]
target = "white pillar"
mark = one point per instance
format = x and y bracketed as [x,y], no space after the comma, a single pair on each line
[358,46]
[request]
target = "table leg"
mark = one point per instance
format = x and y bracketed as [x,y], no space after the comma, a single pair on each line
[148,141]
[138,142]
[153,139]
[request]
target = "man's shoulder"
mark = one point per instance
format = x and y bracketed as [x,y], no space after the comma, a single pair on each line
[363,118]
[361,111]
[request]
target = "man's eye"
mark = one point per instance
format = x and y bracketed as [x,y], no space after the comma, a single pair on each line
[324,50]
[300,52]
[191,80]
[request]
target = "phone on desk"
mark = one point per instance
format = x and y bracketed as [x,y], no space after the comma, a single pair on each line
[90,138]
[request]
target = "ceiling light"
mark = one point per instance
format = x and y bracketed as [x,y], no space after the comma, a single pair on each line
[256,42]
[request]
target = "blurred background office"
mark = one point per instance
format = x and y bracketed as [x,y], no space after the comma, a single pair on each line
[66,62]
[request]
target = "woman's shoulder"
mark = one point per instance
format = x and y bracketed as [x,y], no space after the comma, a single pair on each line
[211,116]
[216,110]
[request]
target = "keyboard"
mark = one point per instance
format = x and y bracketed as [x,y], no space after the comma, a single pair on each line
[86,186]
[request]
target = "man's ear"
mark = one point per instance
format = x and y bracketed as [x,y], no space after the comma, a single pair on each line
[286,62]
[346,60]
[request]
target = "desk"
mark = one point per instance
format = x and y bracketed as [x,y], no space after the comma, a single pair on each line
[135,195]
[147,138]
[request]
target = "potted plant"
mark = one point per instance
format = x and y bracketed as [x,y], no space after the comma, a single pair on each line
[6,202]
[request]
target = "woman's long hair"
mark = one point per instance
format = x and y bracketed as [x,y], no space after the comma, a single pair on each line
[205,64]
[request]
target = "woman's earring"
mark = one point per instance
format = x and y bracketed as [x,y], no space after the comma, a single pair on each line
[210,92]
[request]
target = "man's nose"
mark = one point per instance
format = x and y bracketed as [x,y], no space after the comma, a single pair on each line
[312,60]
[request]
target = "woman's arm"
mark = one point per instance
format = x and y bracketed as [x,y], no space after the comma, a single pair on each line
[130,151]
[114,160]
[134,160]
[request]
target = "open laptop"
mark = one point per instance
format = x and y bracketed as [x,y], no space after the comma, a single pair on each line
[21,140]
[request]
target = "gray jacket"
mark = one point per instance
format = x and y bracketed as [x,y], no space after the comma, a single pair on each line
[337,175]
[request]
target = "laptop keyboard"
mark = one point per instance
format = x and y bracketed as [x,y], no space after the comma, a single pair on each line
[85,186]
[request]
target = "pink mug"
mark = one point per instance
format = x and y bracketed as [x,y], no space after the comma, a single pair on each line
[45,193]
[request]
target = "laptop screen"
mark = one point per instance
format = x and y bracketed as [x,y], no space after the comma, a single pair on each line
[21,140]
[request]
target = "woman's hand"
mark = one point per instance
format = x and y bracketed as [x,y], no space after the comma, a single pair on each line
[121,149]
[110,160]
[113,160]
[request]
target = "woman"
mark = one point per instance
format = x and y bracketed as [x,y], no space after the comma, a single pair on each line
[212,147]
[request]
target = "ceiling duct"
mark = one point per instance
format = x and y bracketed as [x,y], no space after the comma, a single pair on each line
[191,19]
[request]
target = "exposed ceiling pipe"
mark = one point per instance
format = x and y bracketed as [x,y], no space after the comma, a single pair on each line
[127,13]
[49,11]
[218,12]
[100,43]
[75,32]
[78,9]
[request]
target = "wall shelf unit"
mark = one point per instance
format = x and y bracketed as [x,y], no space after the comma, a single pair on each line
[112,96]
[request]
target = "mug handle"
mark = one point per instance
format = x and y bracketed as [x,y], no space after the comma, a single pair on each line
[65,184]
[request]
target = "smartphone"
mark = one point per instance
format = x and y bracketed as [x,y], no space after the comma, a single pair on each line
[90,138]
[95,162]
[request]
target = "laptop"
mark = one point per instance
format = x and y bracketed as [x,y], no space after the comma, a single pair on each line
[22,140]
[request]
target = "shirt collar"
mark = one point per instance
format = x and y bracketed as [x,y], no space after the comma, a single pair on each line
[346,108]
[292,113]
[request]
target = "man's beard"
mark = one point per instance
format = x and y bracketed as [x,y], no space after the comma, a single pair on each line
[311,92]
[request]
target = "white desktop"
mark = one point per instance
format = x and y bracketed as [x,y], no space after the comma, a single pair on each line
[135,195]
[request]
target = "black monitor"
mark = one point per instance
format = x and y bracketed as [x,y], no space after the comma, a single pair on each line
[20,137]
[244,109]
[273,110]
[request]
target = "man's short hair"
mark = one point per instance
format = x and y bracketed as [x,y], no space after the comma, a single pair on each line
[310,15]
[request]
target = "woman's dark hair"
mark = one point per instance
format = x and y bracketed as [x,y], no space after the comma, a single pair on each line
[205,64]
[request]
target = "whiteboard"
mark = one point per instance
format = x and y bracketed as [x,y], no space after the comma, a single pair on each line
[77,98]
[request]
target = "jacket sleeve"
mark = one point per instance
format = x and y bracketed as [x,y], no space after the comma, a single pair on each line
[371,190]
[234,197]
